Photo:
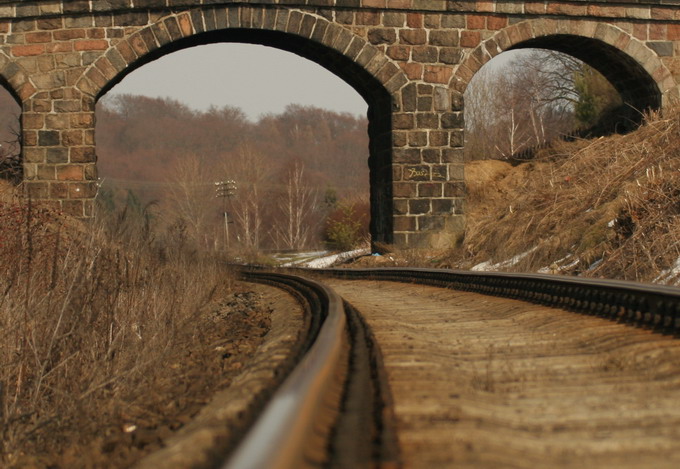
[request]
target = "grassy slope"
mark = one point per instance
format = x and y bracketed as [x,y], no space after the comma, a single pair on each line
[89,316]
[602,208]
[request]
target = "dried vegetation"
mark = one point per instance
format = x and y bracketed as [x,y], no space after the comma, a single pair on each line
[601,208]
[88,322]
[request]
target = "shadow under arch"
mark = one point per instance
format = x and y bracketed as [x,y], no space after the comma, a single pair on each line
[375,94]
[636,72]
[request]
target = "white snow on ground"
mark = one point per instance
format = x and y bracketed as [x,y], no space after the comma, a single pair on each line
[328,261]
[669,276]
[488,266]
[558,266]
[288,259]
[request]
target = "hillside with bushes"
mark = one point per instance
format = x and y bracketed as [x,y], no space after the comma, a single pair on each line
[607,207]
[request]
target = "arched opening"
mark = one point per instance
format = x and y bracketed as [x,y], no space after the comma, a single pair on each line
[527,98]
[543,196]
[638,89]
[378,100]
[11,163]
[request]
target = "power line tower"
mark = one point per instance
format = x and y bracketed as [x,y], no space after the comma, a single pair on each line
[225,190]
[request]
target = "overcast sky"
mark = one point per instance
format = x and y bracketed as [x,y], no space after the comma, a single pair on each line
[257,79]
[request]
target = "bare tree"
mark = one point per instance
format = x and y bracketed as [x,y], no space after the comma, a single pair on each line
[297,206]
[249,169]
[535,97]
[190,197]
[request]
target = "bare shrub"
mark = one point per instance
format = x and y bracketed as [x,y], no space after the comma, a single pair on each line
[86,321]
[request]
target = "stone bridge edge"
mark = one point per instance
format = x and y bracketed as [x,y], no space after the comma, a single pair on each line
[610,34]
[176,26]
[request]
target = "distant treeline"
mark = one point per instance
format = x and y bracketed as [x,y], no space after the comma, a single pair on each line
[301,176]
[140,138]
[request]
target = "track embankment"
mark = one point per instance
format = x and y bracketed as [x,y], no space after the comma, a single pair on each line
[485,382]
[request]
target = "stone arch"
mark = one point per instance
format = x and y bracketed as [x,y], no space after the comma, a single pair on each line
[637,73]
[15,79]
[365,67]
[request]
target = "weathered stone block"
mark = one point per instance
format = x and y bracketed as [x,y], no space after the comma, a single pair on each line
[45,172]
[48,138]
[406,155]
[58,190]
[74,208]
[403,121]
[430,189]
[70,172]
[382,36]
[58,155]
[447,38]
[36,189]
[400,207]
[417,139]
[430,223]
[82,154]
[425,54]
[82,190]
[404,190]
[431,155]
[404,223]
[413,36]
[427,120]
[418,206]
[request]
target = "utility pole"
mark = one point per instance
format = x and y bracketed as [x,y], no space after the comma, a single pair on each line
[225,189]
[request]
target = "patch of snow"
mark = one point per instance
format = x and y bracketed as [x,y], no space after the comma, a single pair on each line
[667,275]
[595,264]
[488,266]
[483,267]
[290,259]
[556,266]
[327,261]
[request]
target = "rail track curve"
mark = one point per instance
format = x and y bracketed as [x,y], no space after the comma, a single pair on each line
[319,408]
[336,387]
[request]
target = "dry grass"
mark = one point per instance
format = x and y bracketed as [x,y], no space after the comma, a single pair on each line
[607,207]
[86,320]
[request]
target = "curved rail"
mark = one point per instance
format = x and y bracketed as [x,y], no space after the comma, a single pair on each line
[303,422]
[655,306]
[287,422]
[336,383]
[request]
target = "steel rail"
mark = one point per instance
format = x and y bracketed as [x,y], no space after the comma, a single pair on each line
[333,410]
[296,428]
[282,434]
[656,306]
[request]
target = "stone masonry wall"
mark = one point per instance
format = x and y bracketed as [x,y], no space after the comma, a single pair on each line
[57,58]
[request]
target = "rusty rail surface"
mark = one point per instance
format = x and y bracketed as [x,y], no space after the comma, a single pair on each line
[647,305]
[332,410]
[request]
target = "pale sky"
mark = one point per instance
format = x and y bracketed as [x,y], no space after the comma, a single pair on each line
[257,79]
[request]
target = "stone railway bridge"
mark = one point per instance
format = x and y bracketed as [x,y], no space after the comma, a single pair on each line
[410,60]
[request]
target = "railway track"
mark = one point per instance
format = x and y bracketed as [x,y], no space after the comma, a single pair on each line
[336,389]
[484,370]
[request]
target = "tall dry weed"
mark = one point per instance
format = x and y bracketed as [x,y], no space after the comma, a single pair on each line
[87,314]
[606,207]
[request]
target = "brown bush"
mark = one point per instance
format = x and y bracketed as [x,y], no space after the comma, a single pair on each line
[85,322]
[606,207]
[346,227]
